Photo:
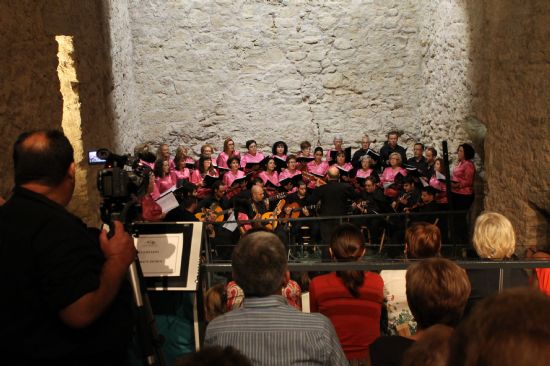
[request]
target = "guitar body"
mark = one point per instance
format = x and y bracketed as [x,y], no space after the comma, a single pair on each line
[272,225]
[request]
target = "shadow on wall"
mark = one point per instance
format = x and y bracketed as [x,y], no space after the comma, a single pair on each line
[510,53]
[32,95]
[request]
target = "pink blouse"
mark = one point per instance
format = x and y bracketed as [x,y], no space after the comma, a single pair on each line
[361,173]
[164,183]
[318,169]
[221,161]
[230,177]
[464,174]
[197,178]
[287,174]
[249,158]
[273,178]
[180,174]
[440,197]
[388,176]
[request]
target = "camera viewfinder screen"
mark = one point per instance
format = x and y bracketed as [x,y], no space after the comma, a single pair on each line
[93,159]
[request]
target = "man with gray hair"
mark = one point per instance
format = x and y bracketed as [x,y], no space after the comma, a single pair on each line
[266,329]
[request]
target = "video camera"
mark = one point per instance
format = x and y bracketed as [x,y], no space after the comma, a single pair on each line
[121,182]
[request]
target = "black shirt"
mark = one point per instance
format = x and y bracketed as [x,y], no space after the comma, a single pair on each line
[335,198]
[49,259]
[387,150]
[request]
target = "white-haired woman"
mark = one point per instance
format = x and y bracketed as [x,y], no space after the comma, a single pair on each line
[494,239]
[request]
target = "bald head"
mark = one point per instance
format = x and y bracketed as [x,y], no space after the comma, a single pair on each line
[257,193]
[42,156]
[333,173]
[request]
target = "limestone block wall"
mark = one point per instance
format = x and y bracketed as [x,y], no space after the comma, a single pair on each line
[296,70]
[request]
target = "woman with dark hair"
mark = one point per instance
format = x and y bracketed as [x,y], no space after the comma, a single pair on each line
[462,191]
[318,167]
[279,150]
[352,300]
[269,174]
[437,181]
[197,176]
[463,178]
[291,170]
[163,178]
[234,172]
[252,155]
[228,151]
[180,166]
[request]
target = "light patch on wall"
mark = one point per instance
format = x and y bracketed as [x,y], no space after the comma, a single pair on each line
[71,122]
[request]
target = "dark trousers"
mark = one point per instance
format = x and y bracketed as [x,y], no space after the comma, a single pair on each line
[460,229]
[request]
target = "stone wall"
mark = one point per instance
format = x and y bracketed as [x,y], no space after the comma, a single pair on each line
[30,95]
[297,70]
[512,73]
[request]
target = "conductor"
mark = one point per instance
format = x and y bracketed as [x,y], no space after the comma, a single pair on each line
[65,299]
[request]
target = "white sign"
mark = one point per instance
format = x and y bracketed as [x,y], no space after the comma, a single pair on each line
[160,254]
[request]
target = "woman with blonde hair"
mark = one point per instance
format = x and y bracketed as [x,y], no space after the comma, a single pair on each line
[494,239]
[390,173]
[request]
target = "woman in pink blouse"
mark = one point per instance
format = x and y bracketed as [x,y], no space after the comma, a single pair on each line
[317,166]
[290,171]
[180,171]
[228,151]
[163,179]
[343,166]
[463,178]
[252,155]
[204,168]
[279,150]
[233,173]
[462,190]
[270,174]
[366,167]
[441,187]
[388,176]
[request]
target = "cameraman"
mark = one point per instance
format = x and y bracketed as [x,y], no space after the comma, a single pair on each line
[65,297]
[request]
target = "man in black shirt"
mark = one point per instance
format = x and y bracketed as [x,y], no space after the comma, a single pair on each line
[390,147]
[418,160]
[335,198]
[65,297]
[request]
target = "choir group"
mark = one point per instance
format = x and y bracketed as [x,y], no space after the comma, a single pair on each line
[385,180]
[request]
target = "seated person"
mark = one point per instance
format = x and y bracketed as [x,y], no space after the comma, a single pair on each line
[494,238]
[352,300]
[266,323]
[422,240]
[506,329]
[437,292]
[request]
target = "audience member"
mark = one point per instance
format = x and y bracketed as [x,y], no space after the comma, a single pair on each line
[352,300]
[494,239]
[506,329]
[432,349]
[437,292]
[422,240]
[540,277]
[266,329]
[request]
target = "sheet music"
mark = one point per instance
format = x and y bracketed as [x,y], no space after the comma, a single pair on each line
[167,202]
[231,226]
